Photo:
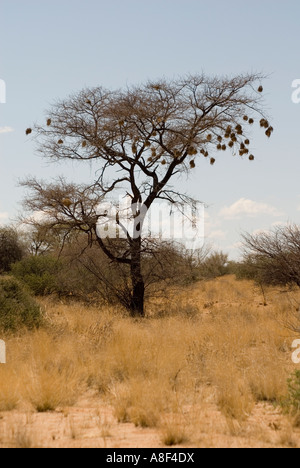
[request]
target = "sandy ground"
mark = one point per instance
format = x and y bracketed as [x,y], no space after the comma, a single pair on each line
[91,424]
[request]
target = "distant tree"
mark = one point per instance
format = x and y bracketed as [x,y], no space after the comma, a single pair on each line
[11,248]
[141,139]
[214,266]
[273,258]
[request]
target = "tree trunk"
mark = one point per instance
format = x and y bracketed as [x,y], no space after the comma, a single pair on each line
[138,285]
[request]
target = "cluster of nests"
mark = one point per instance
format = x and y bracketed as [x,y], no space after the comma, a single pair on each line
[232,135]
[265,124]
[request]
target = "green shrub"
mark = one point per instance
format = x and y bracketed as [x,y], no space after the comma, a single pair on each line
[39,273]
[17,307]
[292,402]
[11,248]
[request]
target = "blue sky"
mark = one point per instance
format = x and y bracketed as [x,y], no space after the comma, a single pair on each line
[51,49]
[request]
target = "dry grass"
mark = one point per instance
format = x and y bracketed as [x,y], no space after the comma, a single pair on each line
[214,349]
[174,430]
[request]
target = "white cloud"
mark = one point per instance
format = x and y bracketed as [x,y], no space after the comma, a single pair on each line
[219,234]
[244,207]
[259,232]
[6,129]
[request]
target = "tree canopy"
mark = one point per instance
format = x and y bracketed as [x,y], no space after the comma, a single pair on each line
[140,138]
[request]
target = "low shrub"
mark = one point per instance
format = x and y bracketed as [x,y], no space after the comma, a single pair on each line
[17,307]
[39,273]
[292,403]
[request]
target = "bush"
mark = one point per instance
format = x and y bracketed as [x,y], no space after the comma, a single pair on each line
[214,266]
[17,308]
[39,273]
[292,403]
[11,249]
[274,256]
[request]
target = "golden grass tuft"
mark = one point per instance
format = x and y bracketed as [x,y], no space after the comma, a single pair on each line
[174,431]
[9,388]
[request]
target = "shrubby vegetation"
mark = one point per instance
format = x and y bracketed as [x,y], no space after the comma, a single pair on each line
[11,248]
[67,267]
[292,402]
[40,273]
[17,307]
[273,258]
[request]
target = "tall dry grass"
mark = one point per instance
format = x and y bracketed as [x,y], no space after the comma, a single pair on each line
[214,344]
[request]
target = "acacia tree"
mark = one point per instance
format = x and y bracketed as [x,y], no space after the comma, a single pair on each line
[140,138]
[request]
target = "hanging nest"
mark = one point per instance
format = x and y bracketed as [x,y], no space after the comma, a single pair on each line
[164,162]
[264,123]
[60,142]
[154,133]
[231,144]
[228,129]
[66,202]
[49,121]
[247,142]
[28,131]
[150,159]
[227,135]
[219,139]
[192,164]
[206,154]
[212,161]
[246,118]
[242,146]
[192,151]
[147,144]
[134,149]
[224,147]
[177,154]
[260,89]
[251,121]
[88,102]
[84,144]
[121,123]
[209,137]
[219,147]
[268,133]
[251,157]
